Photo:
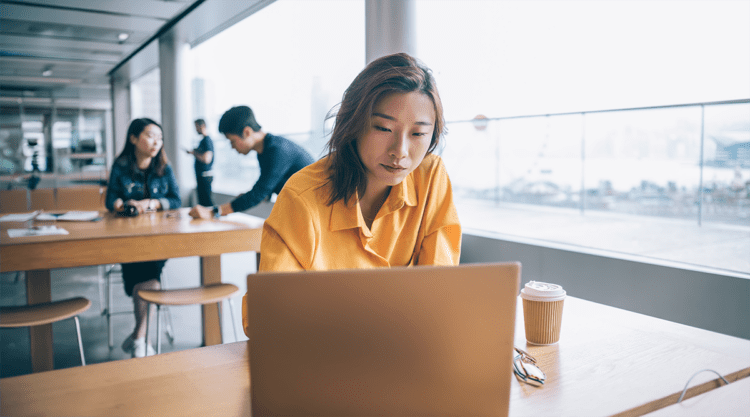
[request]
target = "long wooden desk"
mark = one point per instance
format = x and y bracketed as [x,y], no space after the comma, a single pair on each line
[608,362]
[116,239]
[728,400]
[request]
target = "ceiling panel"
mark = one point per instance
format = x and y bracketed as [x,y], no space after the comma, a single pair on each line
[44,15]
[81,44]
[158,9]
[76,43]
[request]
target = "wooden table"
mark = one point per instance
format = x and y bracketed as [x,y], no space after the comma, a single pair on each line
[615,362]
[728,400]
[608,362]
[116,239]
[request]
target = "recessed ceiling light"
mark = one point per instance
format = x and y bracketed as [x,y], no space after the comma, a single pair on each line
[47,72]
[123,36]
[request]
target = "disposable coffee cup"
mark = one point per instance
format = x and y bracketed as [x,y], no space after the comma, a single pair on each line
[542,312]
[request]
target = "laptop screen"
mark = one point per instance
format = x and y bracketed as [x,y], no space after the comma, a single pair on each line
[390,341]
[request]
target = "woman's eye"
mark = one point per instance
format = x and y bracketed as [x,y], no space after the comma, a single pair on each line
[420,134]
[382,129]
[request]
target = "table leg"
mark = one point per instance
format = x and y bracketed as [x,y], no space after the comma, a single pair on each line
[38,290]
[211,274]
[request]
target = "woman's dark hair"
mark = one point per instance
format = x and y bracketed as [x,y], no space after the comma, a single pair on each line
[397,73]
[137,126]
[234,120]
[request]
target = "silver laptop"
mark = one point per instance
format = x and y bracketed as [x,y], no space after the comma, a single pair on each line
[387,341]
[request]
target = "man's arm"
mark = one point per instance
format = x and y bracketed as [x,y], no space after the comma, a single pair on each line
[204,151]
[273,166]
[201,212]
[205,157]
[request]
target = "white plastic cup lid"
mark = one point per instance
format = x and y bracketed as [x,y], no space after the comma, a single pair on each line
[542,291]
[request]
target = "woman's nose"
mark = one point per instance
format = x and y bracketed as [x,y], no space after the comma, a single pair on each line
[400,147]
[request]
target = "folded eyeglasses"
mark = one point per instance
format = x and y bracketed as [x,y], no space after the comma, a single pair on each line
[525,368]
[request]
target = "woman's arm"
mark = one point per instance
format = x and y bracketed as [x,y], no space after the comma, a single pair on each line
[442,242]
[275,254]
[289,236]
[115,191]
[172,198]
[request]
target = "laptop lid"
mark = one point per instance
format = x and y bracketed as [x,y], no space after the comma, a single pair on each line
[398,341]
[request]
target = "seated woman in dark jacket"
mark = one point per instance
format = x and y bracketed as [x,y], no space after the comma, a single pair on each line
[142,178]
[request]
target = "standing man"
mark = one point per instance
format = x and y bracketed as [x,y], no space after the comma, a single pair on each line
[204,160]
[278,157]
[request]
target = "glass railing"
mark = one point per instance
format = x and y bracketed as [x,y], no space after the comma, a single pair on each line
[689,161]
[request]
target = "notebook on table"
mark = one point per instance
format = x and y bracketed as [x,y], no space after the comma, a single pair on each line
[388,341]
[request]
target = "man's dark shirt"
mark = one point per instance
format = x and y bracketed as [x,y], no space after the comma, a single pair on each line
[280,159]
[204,146]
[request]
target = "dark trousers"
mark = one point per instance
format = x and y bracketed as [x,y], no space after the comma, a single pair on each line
[137,272]
[204,191]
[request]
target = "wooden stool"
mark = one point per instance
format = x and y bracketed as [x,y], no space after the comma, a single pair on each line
[109,272]
[46,313]
[207,294]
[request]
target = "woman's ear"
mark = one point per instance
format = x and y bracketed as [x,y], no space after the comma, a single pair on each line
[133,139]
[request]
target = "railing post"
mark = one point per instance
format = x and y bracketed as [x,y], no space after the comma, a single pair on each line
[700,181]
[583,162]
[497,165]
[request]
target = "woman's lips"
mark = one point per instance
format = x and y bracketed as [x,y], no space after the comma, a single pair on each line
[393,168]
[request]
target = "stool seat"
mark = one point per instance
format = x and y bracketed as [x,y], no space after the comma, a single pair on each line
[206,294]
[45,313]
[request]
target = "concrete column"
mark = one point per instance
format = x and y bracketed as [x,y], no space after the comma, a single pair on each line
[176,109]
[120,117]
[389,28]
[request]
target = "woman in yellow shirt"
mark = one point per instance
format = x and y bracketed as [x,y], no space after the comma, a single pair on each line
[380,197]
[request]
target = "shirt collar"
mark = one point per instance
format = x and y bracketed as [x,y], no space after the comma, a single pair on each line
[349,216]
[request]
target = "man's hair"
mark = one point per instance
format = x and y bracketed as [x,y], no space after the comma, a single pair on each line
[234,120]
[200,122]
[397,73]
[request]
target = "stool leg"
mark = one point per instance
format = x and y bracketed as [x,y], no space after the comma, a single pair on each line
[102,275]
[148,325]
[168,325]
[231,313]
[221,322]
[158,329]
[110,332]
[80,341]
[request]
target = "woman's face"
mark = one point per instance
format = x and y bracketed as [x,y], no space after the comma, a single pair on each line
[397,138]
[148,143]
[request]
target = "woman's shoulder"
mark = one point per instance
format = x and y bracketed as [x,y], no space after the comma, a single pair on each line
[309,178]
[430,164]
[120,166]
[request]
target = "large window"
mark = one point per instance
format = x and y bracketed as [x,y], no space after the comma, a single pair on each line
[289,62]
[544,71]
[504,58]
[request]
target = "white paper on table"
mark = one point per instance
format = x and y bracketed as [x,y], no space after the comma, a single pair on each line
[71,216]
[19,217]
[79,216]
[37,231]
[47,217]
[250,220]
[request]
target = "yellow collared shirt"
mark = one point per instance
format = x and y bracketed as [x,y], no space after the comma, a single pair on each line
[417,225]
